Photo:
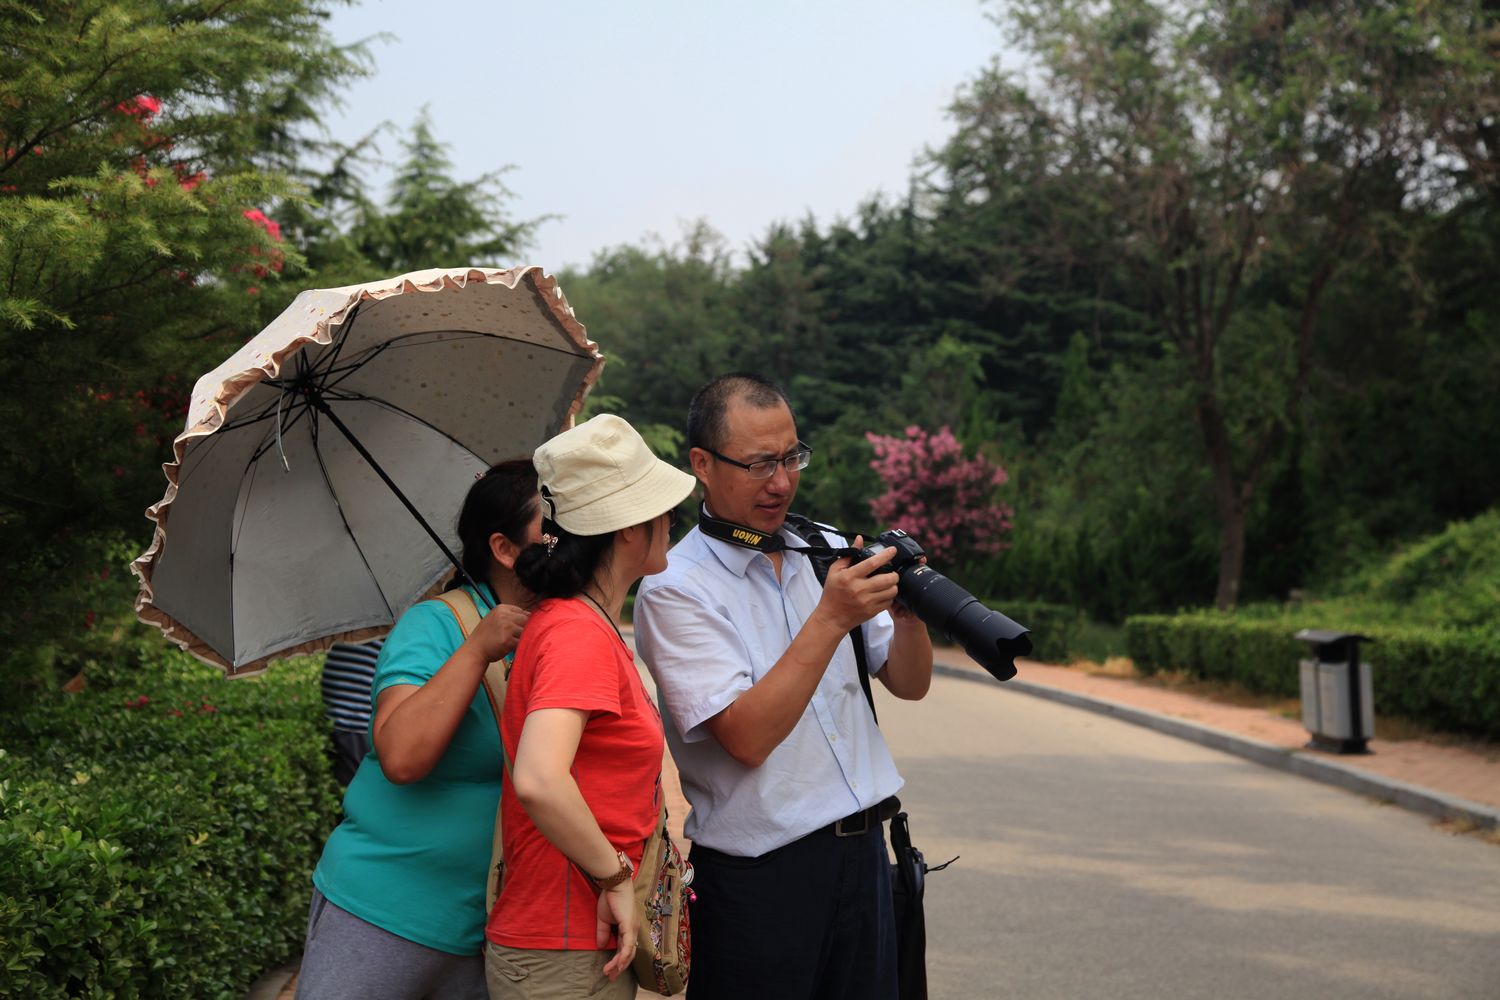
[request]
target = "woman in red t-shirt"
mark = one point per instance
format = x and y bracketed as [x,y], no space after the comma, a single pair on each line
[584,737]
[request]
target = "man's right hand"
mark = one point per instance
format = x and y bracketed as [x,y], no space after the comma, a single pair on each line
[856,592]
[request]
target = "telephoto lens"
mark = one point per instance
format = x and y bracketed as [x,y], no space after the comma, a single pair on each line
[993,640]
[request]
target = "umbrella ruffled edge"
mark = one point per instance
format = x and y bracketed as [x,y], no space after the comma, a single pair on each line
[236,384]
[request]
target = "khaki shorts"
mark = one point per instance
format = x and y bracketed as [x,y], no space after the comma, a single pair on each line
[532,974]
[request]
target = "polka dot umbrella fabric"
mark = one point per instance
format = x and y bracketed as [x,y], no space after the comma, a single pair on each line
[276,535]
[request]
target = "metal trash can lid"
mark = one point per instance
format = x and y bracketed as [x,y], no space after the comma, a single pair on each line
[1332,646]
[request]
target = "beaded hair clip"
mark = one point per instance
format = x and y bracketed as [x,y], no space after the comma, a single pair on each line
[549,512]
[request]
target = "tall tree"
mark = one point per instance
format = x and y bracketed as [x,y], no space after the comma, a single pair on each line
[665,318]
[426,217]
[781,302]
[139,143]
[1215,165]
[434,220]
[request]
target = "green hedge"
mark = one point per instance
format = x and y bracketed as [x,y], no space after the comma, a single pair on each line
[1053,627]
[1448,678]
[157,836]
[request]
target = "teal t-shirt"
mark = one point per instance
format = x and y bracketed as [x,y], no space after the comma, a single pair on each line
[411,859]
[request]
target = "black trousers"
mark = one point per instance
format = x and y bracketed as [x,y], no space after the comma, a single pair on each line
[808,921]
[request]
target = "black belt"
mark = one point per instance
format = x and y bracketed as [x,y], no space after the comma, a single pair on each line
[859,823]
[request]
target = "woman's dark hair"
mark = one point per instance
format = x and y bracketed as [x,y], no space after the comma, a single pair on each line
[571,564]
[504,499]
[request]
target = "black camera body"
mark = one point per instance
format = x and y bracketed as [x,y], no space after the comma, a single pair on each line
[908,552]
[992,639]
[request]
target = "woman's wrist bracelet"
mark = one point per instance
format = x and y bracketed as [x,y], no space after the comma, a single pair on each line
[625,873]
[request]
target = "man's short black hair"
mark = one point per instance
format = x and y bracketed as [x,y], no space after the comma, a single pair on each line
[706,426]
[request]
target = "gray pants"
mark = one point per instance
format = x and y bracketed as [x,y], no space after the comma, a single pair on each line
[346,958]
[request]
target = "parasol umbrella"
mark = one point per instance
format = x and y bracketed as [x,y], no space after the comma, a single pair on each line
[313,493]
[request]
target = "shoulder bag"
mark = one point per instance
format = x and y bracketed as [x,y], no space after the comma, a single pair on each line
[664,951]
[461,603]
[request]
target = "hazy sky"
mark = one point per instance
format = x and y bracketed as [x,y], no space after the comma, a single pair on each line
[632,118]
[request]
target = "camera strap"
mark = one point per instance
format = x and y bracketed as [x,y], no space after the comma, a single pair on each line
[737,534]
[811,532]
[748,538]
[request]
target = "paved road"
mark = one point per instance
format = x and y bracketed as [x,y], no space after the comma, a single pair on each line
[1104,860]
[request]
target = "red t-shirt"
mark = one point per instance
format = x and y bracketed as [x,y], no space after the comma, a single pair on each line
[569,657]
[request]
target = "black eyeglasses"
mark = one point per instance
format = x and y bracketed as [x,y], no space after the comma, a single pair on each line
[794,461]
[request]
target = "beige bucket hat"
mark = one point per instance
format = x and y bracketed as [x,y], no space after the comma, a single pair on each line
[601,476]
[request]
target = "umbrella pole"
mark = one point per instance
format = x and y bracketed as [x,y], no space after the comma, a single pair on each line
[316,399]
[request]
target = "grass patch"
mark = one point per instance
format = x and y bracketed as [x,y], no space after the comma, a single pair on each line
[1097,643]
[1397,729]
[1113,666]
[1223,692]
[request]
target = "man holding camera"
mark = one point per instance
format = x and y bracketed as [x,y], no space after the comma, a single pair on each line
[788,776]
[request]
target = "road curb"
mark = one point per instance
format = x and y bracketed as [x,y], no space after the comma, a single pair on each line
[1306,764]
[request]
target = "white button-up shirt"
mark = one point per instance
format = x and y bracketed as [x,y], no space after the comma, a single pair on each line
[711,626]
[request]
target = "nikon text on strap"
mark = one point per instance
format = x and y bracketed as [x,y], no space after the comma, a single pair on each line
[738,534]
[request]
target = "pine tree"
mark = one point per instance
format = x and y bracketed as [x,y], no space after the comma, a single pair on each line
[434,220]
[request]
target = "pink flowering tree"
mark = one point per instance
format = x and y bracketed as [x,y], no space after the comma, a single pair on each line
[941,498]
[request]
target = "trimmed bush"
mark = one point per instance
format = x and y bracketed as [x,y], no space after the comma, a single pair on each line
[157,838]
[1445,677]
[1053,627]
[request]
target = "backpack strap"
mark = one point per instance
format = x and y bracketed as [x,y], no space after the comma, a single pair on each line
[812,532]
[461,603]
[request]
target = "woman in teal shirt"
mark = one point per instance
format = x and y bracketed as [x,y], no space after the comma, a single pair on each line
[398,904]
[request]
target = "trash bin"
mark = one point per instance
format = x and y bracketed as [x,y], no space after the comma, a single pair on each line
[1338,699]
